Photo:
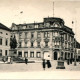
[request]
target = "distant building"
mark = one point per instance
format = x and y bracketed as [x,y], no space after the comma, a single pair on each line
[4,40]
[78,50]
[49,39]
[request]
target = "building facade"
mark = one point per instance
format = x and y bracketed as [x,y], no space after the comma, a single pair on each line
[4,40]
[77,50]
[49,39]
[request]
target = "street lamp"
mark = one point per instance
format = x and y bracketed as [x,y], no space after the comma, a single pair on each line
[60,64]
[74,52]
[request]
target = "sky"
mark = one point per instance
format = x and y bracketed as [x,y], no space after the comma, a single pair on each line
[36,10]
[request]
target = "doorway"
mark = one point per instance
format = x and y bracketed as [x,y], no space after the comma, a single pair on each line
[20,54]
[71,55]
[47,55]
[55,55]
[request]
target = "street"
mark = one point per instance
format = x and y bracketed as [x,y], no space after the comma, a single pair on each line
[22,67]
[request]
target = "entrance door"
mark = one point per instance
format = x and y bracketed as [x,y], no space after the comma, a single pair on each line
[65,55]
[71,55]
[47,55]
[55,55]
[20,54]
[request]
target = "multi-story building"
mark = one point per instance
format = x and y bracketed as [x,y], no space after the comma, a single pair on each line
[47,39]
[4,40]
[77,50]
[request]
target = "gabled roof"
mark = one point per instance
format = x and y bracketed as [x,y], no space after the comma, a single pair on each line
[4,27]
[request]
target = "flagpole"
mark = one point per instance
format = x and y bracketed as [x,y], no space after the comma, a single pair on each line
[75,45]
[53,9]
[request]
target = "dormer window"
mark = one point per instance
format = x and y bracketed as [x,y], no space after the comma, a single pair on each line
[36,26]
[47,25]
[24,27]
[30,26]
[55,25]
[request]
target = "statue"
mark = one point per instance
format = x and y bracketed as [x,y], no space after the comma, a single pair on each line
[13,42]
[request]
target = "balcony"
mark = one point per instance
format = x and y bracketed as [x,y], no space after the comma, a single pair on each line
[46,39]
[57,47]
[67,49]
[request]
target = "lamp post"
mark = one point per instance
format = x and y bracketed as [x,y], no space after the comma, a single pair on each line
[74,52]
[60,62]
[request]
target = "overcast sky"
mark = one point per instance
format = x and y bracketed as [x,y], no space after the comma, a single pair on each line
[36,10]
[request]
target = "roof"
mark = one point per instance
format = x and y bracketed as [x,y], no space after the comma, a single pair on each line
[4,27]
[67,29]
[54,19]
[29,24]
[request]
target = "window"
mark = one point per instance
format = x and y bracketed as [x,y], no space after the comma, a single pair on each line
[0,52]
[30,26]
[65,55]
[32,44]
[0,41]
[71,38]
[56,25]
[53,34]
[6,33]
[32,34]
[65,36]
[47,25]
[46,44]
[26,35]
[6,42]
[6,52]
[25,54]
[72,46]
[68,37]
[38,34]
[20,54]
[32,54]
[25,44]
[1,33]
[65,45]
[20,35]
[38,55]
[56,33]
[68,45]
[19,44]
[38,44]
[78,51]
[46,34]
[57,43]
[36,26]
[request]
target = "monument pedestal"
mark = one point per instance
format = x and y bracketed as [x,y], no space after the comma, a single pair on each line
[12,52]
[60,65]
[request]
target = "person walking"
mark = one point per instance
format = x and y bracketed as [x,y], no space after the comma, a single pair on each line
[11,60]
[48,63]
[44,64]
[26,60]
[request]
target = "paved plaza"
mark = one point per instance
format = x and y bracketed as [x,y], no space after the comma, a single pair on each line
[22,67]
